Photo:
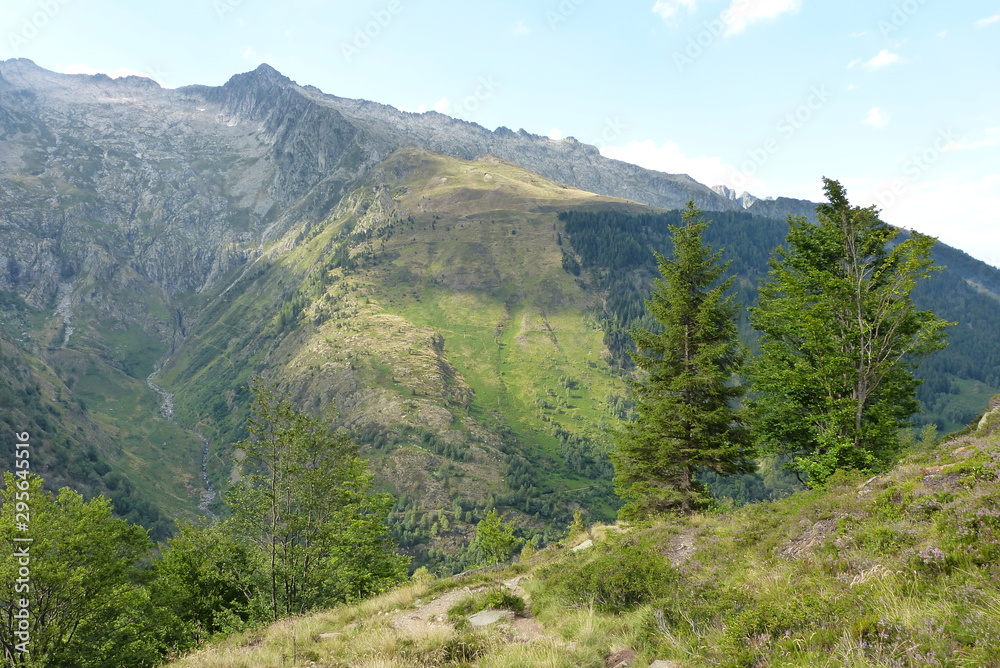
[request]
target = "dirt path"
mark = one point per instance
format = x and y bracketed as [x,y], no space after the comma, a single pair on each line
[434,614]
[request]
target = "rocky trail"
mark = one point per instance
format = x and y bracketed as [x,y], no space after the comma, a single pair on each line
[434,614]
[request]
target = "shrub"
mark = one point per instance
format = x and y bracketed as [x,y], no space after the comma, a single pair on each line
[495,598]
[622,575]
[501,598]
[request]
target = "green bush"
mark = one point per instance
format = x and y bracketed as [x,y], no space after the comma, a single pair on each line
[622,575]
[495,598]
[501,598]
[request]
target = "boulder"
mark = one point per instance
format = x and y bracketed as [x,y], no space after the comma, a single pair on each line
[487,617]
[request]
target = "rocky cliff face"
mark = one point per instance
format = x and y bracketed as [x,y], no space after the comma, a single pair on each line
[104,177]
[179,186]
[565,161]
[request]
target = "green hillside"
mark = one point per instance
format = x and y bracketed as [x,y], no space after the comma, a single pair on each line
[895,570]
[614,248]
[432,310]
[466,321]
[70,410]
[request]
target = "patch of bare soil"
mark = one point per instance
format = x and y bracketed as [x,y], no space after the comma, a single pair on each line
[526,629]
[433,614]
[681,548]
[809,539]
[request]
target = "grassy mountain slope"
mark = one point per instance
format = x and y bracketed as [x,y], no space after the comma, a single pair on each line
[896,570]
[462,319]
[440,305]
[432,309]
[75,416]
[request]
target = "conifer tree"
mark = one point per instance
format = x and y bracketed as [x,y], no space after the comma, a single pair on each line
[840,338]
[685,395]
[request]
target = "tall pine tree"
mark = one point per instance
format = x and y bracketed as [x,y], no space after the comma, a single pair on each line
[840,338]
[685,395]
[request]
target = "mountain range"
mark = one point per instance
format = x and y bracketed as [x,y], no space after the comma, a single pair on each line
[411,274]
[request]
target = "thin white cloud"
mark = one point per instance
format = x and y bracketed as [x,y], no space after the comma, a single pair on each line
[555,134]
[876,118]
[743,13]
[854,63]
[982,23]
[991,137]
[522,28]
[882,59]
[850,87]
[942,34]
[669,158]
[442,106]
[668,9]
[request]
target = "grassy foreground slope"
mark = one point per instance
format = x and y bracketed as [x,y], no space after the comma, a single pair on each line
[901,569]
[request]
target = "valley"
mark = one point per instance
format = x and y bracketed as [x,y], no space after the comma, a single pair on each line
[455,298]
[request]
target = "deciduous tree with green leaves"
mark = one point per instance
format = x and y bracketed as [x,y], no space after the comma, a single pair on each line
[686,392]
[80,577]
[840,338]
[304,501]
[495,539]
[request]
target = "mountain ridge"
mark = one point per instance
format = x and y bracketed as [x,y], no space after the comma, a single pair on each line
[387,129]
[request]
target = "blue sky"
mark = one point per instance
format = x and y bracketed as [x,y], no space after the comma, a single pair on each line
[899,100]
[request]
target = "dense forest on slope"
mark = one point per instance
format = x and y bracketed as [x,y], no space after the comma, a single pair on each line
[615,248]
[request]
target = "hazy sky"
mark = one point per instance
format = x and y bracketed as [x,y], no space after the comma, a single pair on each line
[899,100]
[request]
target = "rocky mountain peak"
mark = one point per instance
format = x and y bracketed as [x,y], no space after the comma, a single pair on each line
[745,199]
[264,75]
